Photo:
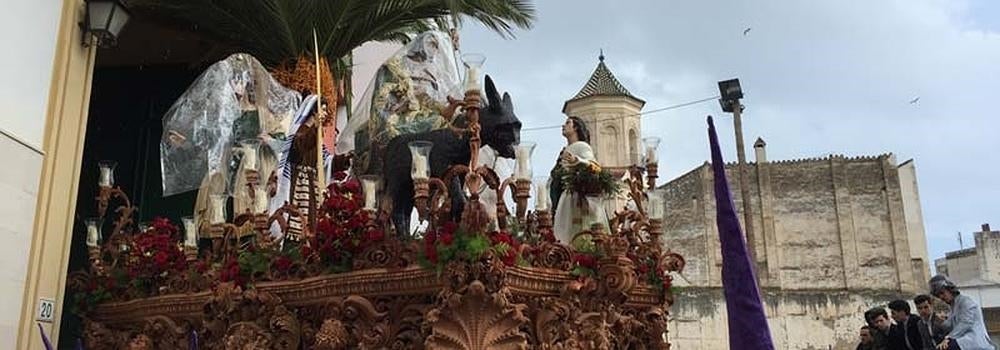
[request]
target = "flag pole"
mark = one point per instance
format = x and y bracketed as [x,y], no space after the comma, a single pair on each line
[320,119]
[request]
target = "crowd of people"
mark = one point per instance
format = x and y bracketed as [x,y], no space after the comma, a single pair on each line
[962,327]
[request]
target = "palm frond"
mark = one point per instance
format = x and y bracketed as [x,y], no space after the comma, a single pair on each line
[278,30]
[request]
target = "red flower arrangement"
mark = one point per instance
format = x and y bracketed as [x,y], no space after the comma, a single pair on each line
[341,231]
[155,255]
[584,264]
[648,268]
[449,242]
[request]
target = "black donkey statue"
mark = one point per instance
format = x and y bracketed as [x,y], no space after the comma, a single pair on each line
[500,129]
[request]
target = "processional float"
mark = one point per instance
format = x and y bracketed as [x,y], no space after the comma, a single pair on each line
[354,283]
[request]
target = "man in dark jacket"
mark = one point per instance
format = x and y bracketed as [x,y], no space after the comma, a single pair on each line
[886,335]
[930,326]
[908,324]
[865,335]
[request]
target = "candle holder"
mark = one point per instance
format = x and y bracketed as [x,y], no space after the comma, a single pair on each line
[522,157]
[249,149]
[651,175]
[190,237]
[106,177]
[651,146]
[421,193]
[420,159]
[94,239]
[473,65]
[369,187]
[522,191]
[656,214]
[544,218]
[542,200]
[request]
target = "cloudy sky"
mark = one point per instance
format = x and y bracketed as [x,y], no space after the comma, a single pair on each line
[820,77]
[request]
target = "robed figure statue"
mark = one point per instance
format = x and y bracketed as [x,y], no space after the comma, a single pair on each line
[574,212]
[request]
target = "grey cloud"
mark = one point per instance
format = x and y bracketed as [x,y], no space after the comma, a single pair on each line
[821,77]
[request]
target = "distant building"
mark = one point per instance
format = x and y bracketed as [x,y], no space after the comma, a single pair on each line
[612,116]
[835,236]
[976,271]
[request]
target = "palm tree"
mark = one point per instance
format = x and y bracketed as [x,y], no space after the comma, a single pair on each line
[280,31]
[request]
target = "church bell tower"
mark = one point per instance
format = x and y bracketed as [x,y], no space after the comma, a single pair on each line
[612,116]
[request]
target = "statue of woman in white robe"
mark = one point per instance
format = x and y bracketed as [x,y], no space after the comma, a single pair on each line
[574,214]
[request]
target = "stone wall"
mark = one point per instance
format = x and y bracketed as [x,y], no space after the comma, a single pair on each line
[831,240]
[817,222]
[799,320]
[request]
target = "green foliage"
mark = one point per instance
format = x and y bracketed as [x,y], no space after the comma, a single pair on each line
[589,180]
[254,263]
[277,30]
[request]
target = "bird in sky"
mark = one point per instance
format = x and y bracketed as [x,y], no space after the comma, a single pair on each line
[746,31]
[914,101]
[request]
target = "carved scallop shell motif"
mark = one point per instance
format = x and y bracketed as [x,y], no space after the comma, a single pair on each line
[477,321]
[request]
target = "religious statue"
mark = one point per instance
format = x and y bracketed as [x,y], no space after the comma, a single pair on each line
[576,209]
[229,124]
[500,130]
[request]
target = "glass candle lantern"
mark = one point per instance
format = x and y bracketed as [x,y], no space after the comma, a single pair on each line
[218,209]
[249,150]
[106,178]
[522,155]
[190,232]
[420,152]
[542,200]
[260,200]
[473,65]
[651,145]
[369,186]
[93,231]
[656,207]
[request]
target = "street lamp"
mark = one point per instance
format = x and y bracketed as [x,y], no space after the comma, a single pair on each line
[103,22]
[730,94]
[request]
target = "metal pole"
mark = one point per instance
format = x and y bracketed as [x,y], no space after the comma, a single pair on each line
[744,189]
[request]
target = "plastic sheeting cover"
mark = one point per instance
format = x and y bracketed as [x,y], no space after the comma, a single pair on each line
[406,96]
[233,100]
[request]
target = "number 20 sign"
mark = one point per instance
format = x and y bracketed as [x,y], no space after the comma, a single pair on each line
[46,310]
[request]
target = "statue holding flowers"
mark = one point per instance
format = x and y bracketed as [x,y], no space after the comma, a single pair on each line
[579,184]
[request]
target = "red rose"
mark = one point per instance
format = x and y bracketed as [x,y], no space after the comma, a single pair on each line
[585,260]
[502,237]
[352,185]
[431,252]
[325,227]
[446,238]
[449,227]
[547,235]
[109,284]
[161,259]
[201,267]
[375,236]
[306,250]
[283,264]
[511,258]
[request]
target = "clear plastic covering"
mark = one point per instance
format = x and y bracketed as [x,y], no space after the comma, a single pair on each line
[406,96]
[233,100]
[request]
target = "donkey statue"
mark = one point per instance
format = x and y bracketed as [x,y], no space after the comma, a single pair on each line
[500,129]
